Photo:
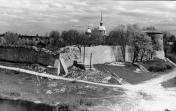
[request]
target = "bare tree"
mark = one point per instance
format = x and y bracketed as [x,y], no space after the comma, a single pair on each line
[119,36]
[142,46]
[11,38]
[55,41]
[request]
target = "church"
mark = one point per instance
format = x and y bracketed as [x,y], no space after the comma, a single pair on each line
[101,28]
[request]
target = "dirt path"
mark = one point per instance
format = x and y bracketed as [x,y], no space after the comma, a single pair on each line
[156,81]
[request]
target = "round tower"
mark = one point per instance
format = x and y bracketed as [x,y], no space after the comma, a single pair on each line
[157,40]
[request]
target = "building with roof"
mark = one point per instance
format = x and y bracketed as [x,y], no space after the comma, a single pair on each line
[102,28]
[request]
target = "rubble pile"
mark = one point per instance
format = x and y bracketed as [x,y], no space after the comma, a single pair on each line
[70,54]
[88,75]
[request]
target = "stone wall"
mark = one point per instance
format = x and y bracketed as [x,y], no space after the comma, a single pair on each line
[102,54]
[31,55]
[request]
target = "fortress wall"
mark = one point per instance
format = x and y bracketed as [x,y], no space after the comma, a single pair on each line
[102,54]
[26,55]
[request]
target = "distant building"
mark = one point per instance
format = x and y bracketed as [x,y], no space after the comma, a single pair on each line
[102,28]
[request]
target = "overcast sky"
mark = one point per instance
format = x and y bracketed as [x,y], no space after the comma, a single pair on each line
[41,16]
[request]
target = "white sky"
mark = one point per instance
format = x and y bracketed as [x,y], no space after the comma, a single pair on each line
[41,16]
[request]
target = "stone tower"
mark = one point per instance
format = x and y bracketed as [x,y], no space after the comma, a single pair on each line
[157,39]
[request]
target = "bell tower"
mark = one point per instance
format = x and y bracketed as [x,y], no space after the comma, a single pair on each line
[102,28]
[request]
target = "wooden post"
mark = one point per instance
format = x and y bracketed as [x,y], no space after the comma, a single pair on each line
[84,54]
[90,60]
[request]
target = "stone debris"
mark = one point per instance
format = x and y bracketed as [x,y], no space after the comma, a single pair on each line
[52,84]
[49,92]
[62,90]
[69,54]
[91,87]
[121,64]
[88,75]
[107,79]
[57,90]
[138,70]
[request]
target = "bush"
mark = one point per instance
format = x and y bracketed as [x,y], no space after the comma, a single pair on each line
[157,65]
[171,56]
[160,67]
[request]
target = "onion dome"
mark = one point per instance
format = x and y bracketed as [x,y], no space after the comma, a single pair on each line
[88,32]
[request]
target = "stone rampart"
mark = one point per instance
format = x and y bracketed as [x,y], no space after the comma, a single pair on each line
[102,54]
[27,54]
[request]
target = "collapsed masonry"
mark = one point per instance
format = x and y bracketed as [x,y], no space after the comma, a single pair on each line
[33,55]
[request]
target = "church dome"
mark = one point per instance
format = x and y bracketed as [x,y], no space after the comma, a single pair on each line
[101,28]
[89,30]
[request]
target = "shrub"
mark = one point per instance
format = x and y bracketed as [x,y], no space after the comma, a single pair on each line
[171,56]
[160,67]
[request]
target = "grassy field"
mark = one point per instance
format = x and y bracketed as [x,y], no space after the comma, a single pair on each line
[27,87]
[127,72]
[170,83]
[157,65]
